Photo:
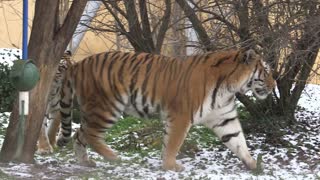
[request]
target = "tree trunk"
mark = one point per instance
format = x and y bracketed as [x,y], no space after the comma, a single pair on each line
[10,142]
[33,121]
[197,25]
[47,43]
[178,37]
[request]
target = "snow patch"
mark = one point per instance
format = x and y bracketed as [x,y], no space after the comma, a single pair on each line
[7,55]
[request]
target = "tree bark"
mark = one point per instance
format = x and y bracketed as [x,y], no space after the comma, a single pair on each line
[178,36]
[135,37]
[145,24]
[242,10]
[164,26]
[197,25]
[136,25]
[47,43]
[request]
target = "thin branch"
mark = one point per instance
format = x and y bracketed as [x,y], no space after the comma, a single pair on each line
[135,32]
[197,25]
[146,29]
[71,21]
[117,8]
[216,17]
[116,18]
[164,26]
[100,29]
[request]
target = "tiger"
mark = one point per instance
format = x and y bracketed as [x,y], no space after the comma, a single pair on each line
[185,91]
[47,137]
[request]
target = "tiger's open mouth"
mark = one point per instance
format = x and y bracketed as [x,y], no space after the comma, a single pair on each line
[261,93]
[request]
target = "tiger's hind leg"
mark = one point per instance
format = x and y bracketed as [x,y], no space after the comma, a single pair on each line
[66,104]
[80,149]
[93,127]
[176,131]
[44,146]
[96,141]
[95,133]
[53,129]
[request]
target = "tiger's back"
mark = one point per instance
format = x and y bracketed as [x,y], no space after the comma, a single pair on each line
[184,91]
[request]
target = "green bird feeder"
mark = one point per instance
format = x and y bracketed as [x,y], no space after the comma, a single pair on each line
[24,75]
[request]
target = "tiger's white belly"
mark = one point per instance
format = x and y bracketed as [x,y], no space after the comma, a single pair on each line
[224,108]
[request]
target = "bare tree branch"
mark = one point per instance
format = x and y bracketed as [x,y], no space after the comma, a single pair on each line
[117,8]
[216,17]
[136,37]
[146,29]
[164,26]
[71,21]
[197,25]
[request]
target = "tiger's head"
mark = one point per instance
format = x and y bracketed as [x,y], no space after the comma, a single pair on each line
[64,64]
[244,71]
[65,61]
[260,80]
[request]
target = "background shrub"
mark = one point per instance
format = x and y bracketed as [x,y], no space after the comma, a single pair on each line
[7,91]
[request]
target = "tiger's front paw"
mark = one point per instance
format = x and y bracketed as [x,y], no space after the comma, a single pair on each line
[173,167]
[251,164]
[53,142]
[45,150]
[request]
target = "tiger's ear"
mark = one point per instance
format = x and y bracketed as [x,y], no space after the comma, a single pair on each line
[69,62]
[68,53]
[67,56]
[247,56]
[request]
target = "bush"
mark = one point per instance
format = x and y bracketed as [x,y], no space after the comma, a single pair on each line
[7,91]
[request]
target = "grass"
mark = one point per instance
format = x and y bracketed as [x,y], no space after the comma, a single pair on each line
[135,135]
[144,136]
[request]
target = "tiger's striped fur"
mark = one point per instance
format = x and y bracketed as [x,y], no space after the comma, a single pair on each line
[193,90]
[47,138]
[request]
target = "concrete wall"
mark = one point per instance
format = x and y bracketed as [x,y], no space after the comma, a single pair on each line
[11,31]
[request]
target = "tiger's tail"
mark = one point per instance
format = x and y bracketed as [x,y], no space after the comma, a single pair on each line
[66,105]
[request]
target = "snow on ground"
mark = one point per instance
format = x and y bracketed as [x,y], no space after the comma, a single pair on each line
[7,55]
[4,121]
[310,98]
[299,160]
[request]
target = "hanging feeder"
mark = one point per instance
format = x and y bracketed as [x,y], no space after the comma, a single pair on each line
[24,75]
